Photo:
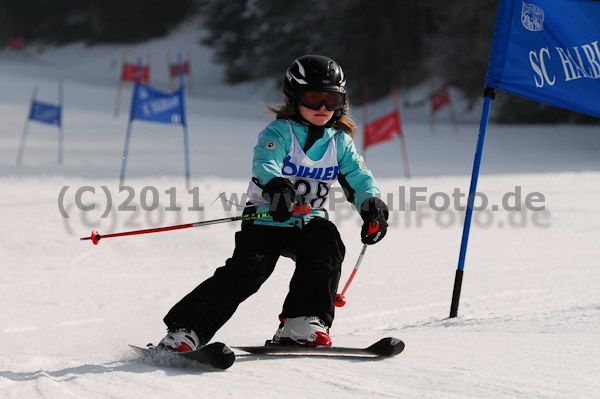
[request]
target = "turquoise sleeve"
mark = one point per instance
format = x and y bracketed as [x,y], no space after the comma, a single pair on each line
[353,168]
[270,152]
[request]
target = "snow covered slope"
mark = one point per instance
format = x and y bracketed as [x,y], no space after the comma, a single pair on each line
[530,308]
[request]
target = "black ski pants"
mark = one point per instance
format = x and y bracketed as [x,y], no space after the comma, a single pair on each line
[318,251]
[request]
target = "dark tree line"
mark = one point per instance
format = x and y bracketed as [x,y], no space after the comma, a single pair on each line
[379,43]
[63,21]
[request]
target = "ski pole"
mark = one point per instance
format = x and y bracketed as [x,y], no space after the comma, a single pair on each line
[95,237]
[340,299]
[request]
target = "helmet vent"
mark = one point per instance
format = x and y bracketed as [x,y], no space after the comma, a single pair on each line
[301,69]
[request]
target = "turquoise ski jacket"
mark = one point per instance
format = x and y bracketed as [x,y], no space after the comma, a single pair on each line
[273,145]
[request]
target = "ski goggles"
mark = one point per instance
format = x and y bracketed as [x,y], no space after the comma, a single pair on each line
[316,99]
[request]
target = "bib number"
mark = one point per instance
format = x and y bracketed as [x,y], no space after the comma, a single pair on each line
[315,198]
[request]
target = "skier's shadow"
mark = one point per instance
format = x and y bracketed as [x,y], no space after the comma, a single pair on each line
[139,366]
[126,366]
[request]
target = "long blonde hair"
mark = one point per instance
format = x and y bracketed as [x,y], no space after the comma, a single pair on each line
[288,109]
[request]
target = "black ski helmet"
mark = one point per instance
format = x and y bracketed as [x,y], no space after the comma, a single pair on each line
[315,73]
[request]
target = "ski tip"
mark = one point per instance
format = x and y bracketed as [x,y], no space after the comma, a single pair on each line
[138,349]
[219,355]
[387,347]
[216,354]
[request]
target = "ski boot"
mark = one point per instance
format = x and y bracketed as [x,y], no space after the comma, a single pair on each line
[180,340]
[304,330]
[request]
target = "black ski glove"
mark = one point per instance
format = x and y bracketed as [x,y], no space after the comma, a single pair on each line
[374,212]
[281,195]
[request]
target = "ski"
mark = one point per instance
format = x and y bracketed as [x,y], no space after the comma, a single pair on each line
[217,355]
[385,347]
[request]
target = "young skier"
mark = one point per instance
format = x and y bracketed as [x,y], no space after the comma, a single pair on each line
[298,156]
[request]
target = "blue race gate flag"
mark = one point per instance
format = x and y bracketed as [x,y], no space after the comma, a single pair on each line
[153,105]
[50,114]
[45,113]
[149,104]
[544,50]
[548,51]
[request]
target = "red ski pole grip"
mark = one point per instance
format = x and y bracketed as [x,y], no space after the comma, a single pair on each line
[373,227]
